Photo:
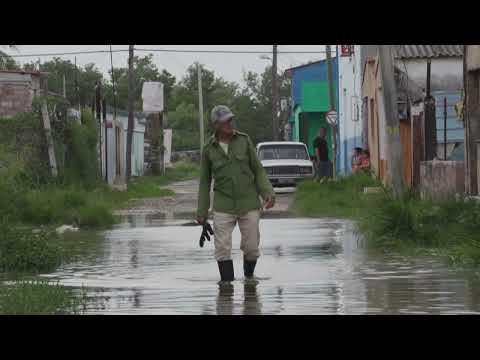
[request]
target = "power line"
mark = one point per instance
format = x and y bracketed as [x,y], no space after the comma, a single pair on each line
[251,52]
[254,52]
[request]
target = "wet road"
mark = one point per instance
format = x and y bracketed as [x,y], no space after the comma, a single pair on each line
[151,265]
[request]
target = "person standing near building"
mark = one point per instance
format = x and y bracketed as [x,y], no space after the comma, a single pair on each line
[356,158]
[229,158]
[324,165]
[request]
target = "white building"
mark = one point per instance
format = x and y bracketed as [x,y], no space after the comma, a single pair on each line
[350,101]
[116,146]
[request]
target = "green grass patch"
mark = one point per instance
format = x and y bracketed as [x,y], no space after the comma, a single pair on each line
[23,249]
[341,198]
[40,297]
[27,250]
[53,205]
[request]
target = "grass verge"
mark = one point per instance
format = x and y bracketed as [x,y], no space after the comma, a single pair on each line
[40,297]
[449,229]
[94,209]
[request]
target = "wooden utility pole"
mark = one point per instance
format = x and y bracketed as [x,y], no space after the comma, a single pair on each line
[113,87]
[104,113]
[64,87]
[48,135]
[98,111]
[162,140]
[200,109]
[430,119]
[77,97]
[445,114]
[275,94]
[472,117]
[394,146]
[114,116]
[331,92]
[131,90]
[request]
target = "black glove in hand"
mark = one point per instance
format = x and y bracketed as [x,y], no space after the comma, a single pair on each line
[206,233]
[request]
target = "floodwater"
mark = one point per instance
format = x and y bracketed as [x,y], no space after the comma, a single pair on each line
[309,266]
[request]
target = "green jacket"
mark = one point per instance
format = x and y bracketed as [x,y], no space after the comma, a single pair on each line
[239,177]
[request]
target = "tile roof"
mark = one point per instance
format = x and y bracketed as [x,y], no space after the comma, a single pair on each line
[428,51]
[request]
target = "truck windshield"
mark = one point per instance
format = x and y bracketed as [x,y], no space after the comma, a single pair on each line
[283,152]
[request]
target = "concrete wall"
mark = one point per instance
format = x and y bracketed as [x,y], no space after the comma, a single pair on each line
[350,107]
[473,58]
[447,73]
[17,91]
[440,179]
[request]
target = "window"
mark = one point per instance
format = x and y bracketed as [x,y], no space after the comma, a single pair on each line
[283,152]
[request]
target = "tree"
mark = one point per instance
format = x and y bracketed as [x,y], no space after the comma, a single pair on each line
[7,62]
[58,68]
[144,70]
[253,106]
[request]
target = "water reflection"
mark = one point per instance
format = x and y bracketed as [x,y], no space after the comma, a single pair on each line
[309,266]
[133,245]
[251,304]
[225,299]
[137,294]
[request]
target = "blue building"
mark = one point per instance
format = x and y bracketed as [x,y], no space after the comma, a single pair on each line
[311,102]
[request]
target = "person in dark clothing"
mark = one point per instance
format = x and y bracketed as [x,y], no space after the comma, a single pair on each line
[324,165]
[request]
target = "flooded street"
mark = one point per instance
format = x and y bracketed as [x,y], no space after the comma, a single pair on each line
[152,265]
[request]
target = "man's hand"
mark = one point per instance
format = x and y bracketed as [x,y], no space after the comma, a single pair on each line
[269,202]
[207,232]
[201,220]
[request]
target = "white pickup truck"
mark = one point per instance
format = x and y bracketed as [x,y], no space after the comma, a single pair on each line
[286,163]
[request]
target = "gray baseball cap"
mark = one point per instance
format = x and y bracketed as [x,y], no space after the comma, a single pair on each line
[221,113]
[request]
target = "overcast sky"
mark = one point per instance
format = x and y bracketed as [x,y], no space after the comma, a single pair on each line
[229,66]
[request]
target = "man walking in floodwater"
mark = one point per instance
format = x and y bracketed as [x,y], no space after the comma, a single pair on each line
[229,158]
[324,166]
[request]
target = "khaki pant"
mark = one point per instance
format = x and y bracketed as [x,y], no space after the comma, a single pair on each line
[223,226]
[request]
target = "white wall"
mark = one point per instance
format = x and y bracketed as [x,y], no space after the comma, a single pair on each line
[447,73]
[350,107]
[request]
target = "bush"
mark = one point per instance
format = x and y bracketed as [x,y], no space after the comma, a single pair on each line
[40,297]
[450,228]
[342,197]
[23,249]
[95,216]
[66,206]
[81,165]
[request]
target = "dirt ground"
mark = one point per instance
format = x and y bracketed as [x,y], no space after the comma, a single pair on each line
[184,202]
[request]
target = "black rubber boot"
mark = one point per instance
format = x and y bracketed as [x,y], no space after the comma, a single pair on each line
[226,270]
[249,268]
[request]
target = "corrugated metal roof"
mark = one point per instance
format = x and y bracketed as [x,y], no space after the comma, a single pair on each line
[428,51]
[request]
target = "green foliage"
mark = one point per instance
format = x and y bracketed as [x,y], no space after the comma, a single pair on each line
[75,205]
[7,62]
[97,215]
[144,70]
[343,198]
[81,165]
[23,249]
[409,221]
[57,206]
[40,297]
[86,77]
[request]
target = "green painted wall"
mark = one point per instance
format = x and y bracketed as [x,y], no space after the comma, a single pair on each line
[315,96]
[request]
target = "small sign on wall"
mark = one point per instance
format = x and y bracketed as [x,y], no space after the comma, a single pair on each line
[347,50]
[152,96]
